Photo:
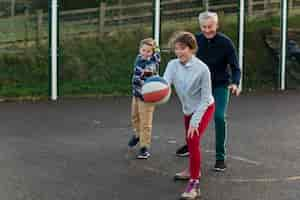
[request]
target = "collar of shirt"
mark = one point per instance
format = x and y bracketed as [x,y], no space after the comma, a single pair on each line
[189,63]
[141,58]
[212,40]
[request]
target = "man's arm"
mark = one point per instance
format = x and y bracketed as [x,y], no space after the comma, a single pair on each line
[235,69]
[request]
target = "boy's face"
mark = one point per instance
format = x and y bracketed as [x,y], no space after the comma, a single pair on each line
[183,52]
[209,28]
[146,51]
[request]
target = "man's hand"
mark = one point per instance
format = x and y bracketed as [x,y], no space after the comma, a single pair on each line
[192,131]
[234,89]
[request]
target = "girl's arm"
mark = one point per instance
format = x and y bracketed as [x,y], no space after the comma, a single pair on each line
[156,59]
[206,98]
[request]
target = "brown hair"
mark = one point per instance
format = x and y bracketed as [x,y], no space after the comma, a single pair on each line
[185,38]
[148,41]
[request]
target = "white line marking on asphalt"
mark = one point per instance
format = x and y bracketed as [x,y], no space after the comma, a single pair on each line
[293,178]
[238,158]
[265,180]
[261,180]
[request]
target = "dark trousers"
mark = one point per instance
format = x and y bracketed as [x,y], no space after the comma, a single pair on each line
[221,95]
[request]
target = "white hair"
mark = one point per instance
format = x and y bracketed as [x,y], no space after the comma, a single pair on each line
[207,15]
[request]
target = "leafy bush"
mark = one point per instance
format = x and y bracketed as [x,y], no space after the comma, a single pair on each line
[97,67]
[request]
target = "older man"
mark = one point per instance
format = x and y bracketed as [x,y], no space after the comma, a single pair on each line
[218,52]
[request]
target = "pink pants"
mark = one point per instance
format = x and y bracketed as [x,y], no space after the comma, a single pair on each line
[194,142]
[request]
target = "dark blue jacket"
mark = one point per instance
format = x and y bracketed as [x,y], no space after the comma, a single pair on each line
[220,55]
[140,65]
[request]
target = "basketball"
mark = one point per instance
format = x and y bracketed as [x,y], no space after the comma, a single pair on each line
[156,90]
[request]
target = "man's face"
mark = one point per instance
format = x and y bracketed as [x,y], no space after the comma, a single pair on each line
[209,28]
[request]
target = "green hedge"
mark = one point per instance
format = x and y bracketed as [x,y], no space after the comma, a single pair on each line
[89,66]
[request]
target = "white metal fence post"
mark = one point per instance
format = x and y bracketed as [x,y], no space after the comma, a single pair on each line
[53,36]
[283,40]
[241,38]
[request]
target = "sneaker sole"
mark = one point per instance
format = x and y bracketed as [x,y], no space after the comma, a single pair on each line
[181,178]
[190,198]
[219,169]
[142,157]
[183,155]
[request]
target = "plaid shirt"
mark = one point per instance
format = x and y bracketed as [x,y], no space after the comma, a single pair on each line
[140,65]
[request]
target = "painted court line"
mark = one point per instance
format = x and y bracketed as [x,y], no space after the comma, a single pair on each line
[232,180]
[266,180]
[239,158]
[237,180]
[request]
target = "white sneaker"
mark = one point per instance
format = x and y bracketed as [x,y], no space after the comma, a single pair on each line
[184,175]
[192,191]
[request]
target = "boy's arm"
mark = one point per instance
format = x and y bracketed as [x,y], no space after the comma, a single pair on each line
[137,73]
[153,68]
[157,59]
[156,55]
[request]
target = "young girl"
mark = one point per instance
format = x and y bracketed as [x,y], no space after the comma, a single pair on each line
[146,65]
[191,79]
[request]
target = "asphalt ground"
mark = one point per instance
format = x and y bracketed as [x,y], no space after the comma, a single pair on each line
[76,149]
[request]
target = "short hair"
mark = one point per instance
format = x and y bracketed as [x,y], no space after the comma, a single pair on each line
[207,15]
[148,41]
[185,38]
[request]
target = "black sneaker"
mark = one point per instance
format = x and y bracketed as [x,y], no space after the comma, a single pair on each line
[183,151]
[220,166]
[143,154]
[133,141]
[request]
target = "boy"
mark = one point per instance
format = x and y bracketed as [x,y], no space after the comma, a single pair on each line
[146,65]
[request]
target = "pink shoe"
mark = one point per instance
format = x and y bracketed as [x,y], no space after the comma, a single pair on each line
[192,191]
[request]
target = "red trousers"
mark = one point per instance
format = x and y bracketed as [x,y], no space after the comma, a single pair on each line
[194,142]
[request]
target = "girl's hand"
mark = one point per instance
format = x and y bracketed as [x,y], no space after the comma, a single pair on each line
[192,131]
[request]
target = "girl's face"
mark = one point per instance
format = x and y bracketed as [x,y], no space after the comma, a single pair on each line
[146,51]
[183,52]
[209,28]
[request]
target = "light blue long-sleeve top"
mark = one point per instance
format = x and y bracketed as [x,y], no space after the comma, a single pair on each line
[192,83]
